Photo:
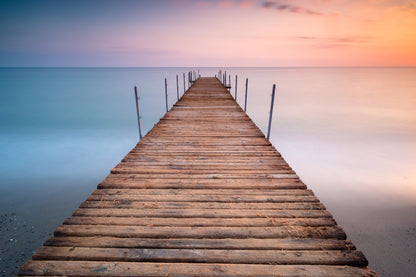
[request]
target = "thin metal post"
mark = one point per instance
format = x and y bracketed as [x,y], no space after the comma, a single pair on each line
[235,88]
[177,86]
[271,112]
[245,102]
[166,94]
[184,83]
[138,112]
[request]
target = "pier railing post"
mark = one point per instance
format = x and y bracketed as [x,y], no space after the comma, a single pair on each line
[184,83]
[138,112]
[166,94]
[235,88]
[245,101]
[271,112]
[177,86]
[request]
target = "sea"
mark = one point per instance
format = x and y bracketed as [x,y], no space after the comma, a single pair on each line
[349,133]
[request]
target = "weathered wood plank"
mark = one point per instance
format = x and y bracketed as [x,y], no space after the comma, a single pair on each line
[317,257]
[127,204]
[88,268]
[172,243]
[206,198]
[211,175]
[137,181]
[333,232]
[199,222]
[131,169]
[202,213]
[245,192]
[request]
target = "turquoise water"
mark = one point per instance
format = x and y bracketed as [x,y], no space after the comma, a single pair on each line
[349,133]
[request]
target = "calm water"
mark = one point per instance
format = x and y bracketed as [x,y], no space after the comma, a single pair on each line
[349,133]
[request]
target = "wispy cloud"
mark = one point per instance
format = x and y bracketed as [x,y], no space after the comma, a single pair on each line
[336,42]
[287,7]
[247,3]
[410,7]
[225,3]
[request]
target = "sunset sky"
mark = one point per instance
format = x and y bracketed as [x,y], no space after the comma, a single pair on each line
[208,33]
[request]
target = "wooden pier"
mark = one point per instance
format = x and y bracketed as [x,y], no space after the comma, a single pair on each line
[204,193]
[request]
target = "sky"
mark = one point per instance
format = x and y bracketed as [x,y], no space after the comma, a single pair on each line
[218,33]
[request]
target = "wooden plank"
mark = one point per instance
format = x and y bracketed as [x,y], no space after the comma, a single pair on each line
[132,167]
[173,243]
[137,181]
[333,232]
[199,221]
[192,152]
[202,213]
[245,192]
[206,198]
[317,257]
[127,204]
[91,268]
[209,175]
[243,159]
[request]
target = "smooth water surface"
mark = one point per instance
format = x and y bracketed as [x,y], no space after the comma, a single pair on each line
[349,133]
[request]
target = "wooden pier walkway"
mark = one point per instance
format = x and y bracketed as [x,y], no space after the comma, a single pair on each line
[202,194]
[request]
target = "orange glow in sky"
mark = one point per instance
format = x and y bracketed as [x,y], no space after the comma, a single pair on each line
[208,33]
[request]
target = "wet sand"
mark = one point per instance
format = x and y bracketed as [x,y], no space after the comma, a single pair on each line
[386,237]
[19,239]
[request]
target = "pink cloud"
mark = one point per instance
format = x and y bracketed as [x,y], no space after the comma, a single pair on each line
[226,3]
[247,3]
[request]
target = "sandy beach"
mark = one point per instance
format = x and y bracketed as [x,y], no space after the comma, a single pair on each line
[386,237]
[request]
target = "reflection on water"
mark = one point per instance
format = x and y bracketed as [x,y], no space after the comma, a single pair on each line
[349,133]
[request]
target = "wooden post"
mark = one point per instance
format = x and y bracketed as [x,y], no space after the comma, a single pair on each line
[166,94]
[229,82]
[177,86]
[184,89]
[271,112]
[138,112]
[235,88]
[245,102]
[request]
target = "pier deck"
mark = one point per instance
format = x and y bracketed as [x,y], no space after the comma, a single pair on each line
[202,194]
